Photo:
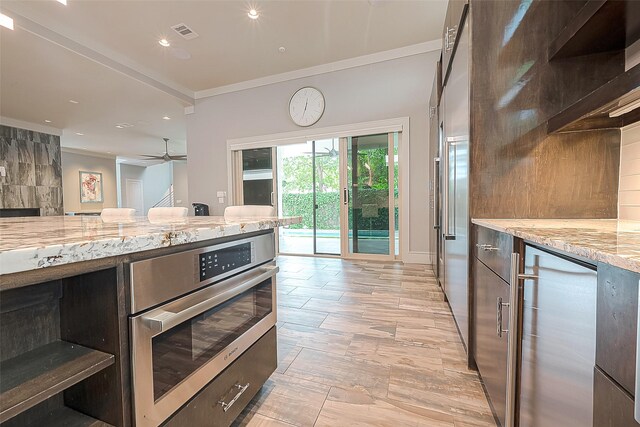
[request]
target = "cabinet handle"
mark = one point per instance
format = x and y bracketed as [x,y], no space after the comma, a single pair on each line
[499,305]
[527,277]
[227,406]
[446,40]
[346,196]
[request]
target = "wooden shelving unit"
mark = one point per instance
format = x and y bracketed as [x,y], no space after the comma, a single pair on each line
[39,374]
[592,111]
[67,417]
[600,26]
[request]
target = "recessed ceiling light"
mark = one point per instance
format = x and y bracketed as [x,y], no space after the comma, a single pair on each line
[282,49]
[80,134]
[64,2]
[6,21]
[119,127]
[164,43]
[73,101]
[253,14]
[47,121]
[166,118]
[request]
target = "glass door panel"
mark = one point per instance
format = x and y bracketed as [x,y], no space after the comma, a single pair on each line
[257,176]
[326,184]
[369,195]
[295,197]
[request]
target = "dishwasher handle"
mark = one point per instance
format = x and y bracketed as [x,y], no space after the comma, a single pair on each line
[161,320]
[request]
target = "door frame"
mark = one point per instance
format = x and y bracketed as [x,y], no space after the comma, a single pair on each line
[400,124]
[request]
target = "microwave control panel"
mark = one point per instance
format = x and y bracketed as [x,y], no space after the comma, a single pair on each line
[215,263]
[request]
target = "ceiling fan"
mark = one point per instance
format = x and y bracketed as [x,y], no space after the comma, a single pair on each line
[166,157]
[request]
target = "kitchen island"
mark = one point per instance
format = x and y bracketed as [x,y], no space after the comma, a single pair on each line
[67,308]
[568,290]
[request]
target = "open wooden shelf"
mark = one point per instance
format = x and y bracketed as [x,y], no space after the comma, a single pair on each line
[37,375]
[600,26]
[592,111]
[67,417]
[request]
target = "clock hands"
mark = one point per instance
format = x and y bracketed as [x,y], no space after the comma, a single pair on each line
[305,106]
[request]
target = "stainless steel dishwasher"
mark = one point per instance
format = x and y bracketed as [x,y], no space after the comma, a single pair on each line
[558,341]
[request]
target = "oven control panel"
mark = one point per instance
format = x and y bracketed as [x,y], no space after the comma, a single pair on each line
[221,261]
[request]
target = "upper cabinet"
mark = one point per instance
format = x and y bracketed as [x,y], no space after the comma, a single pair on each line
[600,26]
[456,12]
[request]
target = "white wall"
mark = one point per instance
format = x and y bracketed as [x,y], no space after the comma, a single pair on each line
[156,181]
[72,164]
[629,189]
[180,183]
[385,90]
[128,172]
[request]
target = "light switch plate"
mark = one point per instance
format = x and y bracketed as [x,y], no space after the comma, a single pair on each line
[3,171]
[222,194]
[220,199]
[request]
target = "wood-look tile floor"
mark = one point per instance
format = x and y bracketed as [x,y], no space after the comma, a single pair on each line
[366,344]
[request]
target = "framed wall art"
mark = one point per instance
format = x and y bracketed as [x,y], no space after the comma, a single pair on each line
[91,187]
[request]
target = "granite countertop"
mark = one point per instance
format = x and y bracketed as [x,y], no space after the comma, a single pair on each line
[614,242]
[30,243]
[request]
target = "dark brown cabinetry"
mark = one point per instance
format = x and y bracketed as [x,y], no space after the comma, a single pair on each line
[612,406]
[490,337]
[616,337]
[452,26]
[616,331]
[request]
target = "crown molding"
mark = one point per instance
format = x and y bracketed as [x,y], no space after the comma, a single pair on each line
[21,124]
[88,153]
[345,64]
[101,55]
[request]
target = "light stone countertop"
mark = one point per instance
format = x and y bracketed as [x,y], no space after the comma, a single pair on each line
[611,241]
[30,243]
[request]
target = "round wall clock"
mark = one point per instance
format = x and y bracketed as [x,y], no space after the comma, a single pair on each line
[306,106]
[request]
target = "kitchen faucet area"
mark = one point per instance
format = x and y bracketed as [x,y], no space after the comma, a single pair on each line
[320,213]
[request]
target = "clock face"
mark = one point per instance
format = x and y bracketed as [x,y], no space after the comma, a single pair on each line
[306,106]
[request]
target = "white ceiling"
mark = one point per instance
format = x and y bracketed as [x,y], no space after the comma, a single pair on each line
[38,76]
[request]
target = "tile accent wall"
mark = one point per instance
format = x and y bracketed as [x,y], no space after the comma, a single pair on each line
[629,195]
[34,170]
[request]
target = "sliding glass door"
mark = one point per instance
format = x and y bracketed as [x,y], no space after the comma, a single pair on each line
[369,195]
[345,189]
[309,186]
[258,185]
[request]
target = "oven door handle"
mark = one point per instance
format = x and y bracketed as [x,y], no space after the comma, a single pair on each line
[160,320]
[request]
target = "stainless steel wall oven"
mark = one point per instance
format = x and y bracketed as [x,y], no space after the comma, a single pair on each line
[194,313]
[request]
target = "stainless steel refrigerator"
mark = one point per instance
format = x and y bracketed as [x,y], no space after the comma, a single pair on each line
[454,158]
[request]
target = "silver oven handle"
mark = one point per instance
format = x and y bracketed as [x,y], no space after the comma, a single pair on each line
[164,320]
[436,190]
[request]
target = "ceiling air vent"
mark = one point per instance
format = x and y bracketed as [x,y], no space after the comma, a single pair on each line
[185,31]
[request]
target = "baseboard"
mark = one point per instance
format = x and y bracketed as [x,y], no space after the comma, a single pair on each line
[415,257]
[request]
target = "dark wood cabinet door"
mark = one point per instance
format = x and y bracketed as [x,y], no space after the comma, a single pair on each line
[612,406]
[616,329]
[490,349]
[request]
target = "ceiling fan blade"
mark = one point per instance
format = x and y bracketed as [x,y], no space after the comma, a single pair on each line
[178,157]
[151,157]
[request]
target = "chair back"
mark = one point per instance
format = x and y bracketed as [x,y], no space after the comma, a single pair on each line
[115,213]
[165,213]
[249,211]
